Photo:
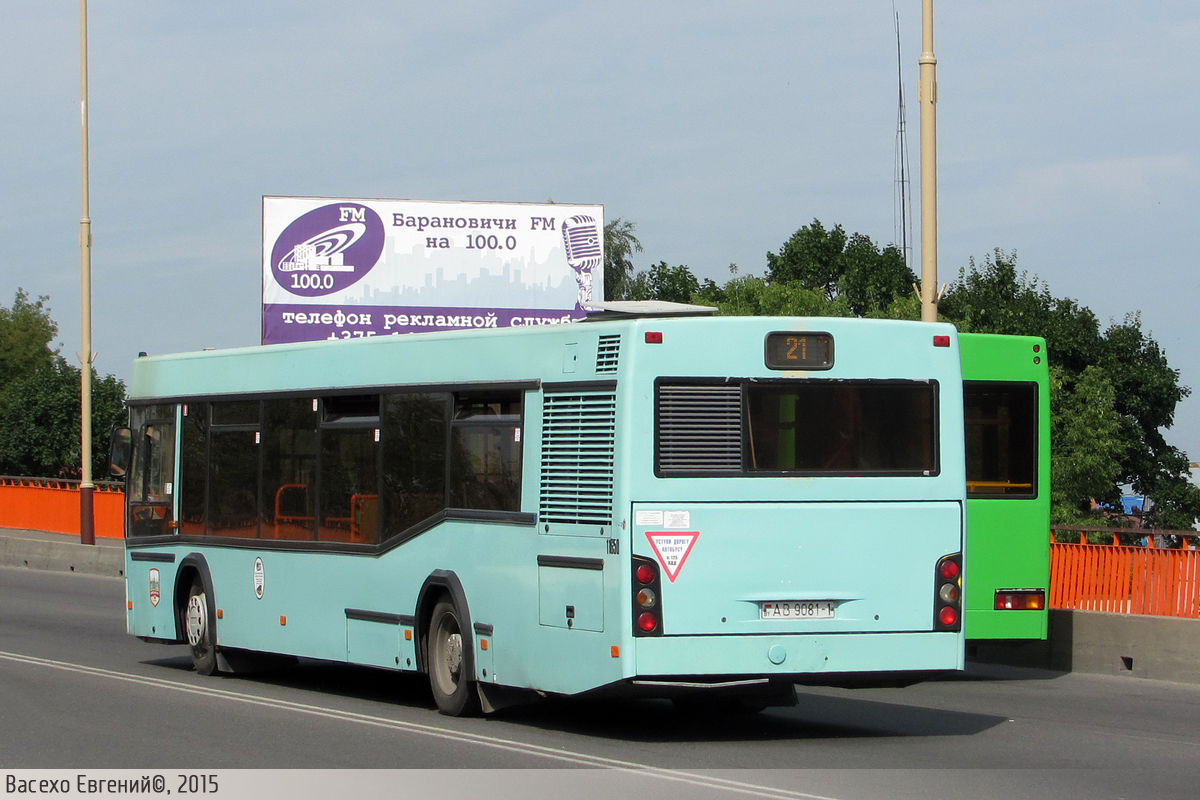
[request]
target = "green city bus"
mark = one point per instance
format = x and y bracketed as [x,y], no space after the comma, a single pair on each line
[1006,401]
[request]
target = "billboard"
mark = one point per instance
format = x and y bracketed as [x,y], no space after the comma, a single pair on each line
[344,268]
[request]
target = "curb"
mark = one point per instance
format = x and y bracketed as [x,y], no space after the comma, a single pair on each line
[57,553]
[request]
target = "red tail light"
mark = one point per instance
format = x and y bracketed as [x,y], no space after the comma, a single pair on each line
[947,593]
[647,597]
[1020,599]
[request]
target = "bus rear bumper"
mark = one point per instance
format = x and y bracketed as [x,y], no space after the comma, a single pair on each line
[802,658]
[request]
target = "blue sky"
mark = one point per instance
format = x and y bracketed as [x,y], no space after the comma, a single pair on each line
[1067,132]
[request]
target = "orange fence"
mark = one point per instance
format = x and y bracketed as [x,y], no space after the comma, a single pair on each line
[1084,577]
[1127,580]
[44,504]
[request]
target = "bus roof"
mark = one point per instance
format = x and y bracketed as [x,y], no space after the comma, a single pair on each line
[517,354]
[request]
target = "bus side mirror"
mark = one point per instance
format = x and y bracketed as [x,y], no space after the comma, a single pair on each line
[119,451]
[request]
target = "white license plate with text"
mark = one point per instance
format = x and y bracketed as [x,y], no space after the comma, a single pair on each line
[797,609]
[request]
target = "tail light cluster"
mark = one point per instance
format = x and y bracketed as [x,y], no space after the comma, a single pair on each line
[947,602]
[647,597]
[1020,599]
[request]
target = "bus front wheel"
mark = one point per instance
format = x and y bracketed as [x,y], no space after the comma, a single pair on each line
[201,636]
[450,662]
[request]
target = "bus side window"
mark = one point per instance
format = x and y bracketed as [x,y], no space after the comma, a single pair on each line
[485,468]
[348,499]
[413,482]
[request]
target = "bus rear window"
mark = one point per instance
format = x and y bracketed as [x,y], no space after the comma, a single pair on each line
[841,427]
[1001,438]
[813,427]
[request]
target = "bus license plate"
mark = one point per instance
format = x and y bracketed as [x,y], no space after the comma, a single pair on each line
[797,609]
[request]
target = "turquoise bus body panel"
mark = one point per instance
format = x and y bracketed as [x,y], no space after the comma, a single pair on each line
[553,598]
[859,556]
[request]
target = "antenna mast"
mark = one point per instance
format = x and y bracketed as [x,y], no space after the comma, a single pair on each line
[902,222]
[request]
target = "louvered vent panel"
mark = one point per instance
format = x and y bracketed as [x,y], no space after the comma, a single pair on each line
[699,429]
[608,353]
[577,458]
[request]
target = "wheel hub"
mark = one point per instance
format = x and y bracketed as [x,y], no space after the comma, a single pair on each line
[196,619]
[453,655]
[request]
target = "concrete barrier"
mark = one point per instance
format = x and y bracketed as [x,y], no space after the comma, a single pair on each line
[1099,643]
[60,553]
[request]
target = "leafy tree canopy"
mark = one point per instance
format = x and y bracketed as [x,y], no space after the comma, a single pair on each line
[850,268]
[662,282]
[26,332]
[1120,372]
[620,244]
[39,399]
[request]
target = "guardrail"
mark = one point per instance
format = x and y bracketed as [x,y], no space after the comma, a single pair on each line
[52,504]
[1123,579]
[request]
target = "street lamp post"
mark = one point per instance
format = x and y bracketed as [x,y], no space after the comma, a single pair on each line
[928,102]
[87,533]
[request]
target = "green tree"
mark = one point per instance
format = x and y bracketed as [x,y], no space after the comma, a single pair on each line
[1087,446]
[663,282]
[869,279]
[751,296]
[26,332]
[993,297]
[39,399]
[620,244]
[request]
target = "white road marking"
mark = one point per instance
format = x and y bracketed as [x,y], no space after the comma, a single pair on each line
[495,742]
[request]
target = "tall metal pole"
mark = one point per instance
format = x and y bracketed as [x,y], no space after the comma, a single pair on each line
[928,99]
[87,533]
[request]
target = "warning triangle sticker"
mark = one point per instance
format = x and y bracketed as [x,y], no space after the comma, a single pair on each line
[672,549]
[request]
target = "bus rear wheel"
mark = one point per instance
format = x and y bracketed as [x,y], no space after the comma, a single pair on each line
[198,628]
[450,662]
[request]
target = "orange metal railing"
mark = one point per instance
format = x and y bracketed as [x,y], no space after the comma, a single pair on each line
[1127,580]
[46,504]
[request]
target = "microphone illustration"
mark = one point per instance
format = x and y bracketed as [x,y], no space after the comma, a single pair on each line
[583,243]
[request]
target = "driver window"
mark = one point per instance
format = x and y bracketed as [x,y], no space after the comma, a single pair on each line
[152,477]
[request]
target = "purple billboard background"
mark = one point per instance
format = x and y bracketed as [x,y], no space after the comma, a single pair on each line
[327,249]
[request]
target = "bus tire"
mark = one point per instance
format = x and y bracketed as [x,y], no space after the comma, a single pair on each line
[198,628]
[451,662]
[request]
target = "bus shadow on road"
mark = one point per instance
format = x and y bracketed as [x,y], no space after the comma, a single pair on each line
[319,677]
[819,715]
[815,717]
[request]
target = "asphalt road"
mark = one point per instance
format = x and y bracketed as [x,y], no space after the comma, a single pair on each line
[78,695]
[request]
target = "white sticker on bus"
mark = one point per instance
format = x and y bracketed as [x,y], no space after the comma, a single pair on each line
[260,578]
[677,519]
[672,549]
[648,518]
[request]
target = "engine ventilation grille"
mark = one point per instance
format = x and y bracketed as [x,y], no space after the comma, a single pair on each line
[699,429]
[577,458]
[608,352]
